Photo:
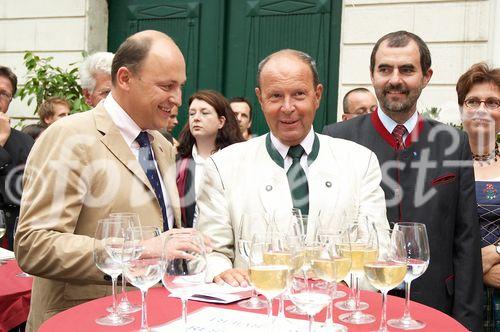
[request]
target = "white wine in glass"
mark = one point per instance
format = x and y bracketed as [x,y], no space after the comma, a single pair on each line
[418,256]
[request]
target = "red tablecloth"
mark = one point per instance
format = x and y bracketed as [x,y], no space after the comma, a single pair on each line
[162,309]
[15,295]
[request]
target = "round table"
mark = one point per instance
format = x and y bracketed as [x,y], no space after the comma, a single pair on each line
[15,296]
[162,308]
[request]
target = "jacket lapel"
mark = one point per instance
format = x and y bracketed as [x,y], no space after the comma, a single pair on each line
[113,140]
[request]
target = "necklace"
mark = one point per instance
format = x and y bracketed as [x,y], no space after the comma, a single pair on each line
[487,158]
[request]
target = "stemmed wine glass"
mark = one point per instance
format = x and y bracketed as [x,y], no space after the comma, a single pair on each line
[185,266]
[125,307]
[21,274]
[245,236]
[108,249]
[142,258]
[388,269]
[269,270]
[364,247]
[418,256]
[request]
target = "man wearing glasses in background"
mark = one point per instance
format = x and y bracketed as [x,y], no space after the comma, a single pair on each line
[14,149]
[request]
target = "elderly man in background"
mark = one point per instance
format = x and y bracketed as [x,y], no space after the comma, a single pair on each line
[14,149]
[86,166]
[95,77]
[357,102]
[427,176]
[292,166]
[243,111]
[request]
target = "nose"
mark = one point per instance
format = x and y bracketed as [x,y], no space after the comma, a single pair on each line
[287,106]
[395,77]
[176,97]
[238,117]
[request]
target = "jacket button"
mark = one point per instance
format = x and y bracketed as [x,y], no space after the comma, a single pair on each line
[328,184]
[269,187]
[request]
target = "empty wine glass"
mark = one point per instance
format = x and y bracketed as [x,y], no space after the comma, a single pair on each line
[184,267]
[245,235]
[132,219]
[418,256]
[108,250]
[388,269]
[143,262]
[364,247]
[21,274]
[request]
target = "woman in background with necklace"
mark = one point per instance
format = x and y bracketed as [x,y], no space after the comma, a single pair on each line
[479,99]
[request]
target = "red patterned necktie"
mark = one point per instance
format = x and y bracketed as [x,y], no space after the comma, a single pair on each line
[398,134]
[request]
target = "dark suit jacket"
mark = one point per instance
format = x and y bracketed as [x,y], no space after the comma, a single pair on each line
[425,183]
[13,156]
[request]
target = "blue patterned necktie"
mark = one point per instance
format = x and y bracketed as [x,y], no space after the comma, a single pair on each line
[148,165]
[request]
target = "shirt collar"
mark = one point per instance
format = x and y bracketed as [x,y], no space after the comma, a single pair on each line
[196,157]
[390,124]
[127,126]
[307,144]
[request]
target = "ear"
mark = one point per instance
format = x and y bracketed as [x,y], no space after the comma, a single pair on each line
[344,117]
[123,78]
[258,93]
[427,77]
[318,93]
[86,95]
[222,121]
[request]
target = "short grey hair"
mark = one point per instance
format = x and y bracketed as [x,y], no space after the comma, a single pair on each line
[93,64]
[304,57]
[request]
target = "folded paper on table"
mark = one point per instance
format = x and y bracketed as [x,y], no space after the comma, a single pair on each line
[214,293]
[211,319]
[6,254]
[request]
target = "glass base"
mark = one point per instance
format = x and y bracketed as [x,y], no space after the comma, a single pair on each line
[350,305]
[406,324]
[114,320]
[357,318]
[23,275]
[333,327]
[339,294]
[293,309]
[125,307]
[253,303]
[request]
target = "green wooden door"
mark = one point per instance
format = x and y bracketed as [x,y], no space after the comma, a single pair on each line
[224,40]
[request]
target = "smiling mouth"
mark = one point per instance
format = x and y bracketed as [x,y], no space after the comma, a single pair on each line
[289,122]
[165,109]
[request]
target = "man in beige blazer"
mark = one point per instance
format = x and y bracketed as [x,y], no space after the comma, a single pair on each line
[343,178]
[85,167]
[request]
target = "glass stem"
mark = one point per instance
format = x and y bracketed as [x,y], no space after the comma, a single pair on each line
[281,312]
[144,312]
[184,313]
[113,292]
[357,292]
[383,319]
[329,314]
[124,286]
[269,310]
[352,295]
[311,322]
[406,315]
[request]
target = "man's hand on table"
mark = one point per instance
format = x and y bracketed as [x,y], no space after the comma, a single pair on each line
[233,277]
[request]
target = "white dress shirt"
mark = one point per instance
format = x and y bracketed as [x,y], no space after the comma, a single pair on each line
[390,124]
[307,144]
[129,131]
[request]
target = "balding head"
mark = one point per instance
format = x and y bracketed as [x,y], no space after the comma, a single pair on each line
[134,50]
[287,55]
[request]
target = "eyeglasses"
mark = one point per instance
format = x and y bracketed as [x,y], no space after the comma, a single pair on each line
[490,103]
[5,95]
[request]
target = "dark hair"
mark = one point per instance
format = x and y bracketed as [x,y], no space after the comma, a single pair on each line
[34,130]
[345,101]
[401,39]
[477,74]
[130,54]
[304,57]
[227,135]
[9,74]
[246,101]
[46,108]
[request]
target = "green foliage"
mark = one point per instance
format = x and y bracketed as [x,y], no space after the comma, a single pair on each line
[46,80]
[431,113]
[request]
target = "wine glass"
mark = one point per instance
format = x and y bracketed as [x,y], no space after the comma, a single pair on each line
[333,265]
[185,265]
[21,274]
[108,248]
[388,269]
[245,235]
[143,262]
[3,229]
[125,307]
[364,247]
[269,270]
[418,256]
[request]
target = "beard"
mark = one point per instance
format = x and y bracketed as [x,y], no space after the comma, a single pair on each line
[392,106]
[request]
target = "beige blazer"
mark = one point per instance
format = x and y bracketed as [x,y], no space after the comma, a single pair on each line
[344,180]
[79,171]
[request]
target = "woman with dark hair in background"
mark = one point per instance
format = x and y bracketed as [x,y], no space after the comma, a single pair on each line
[211,126]
[478,92]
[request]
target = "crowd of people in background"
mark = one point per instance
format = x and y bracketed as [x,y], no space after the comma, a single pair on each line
[384,162]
